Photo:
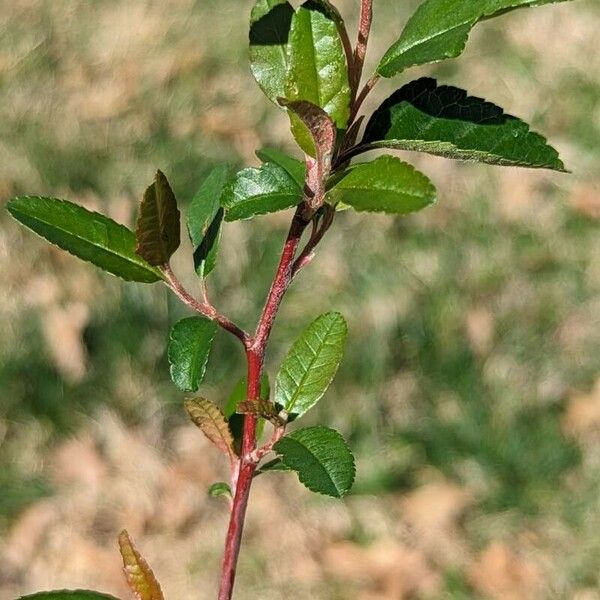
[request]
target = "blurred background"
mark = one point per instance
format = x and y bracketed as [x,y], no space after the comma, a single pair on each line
[470,391]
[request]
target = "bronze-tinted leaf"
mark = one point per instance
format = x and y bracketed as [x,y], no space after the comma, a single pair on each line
[158,229]
[139,575]
[207,416]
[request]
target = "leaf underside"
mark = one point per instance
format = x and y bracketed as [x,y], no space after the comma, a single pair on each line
[207,416]
[139,575]
[321,458]
[439,30]
[188,351]
[446,121]
[311,364]
[259,191]
[158,225]
[204,220]
[386,184]
[321,129]
[85,234]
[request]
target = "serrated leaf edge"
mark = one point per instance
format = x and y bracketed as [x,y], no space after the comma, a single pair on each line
[302,479]
[139,262]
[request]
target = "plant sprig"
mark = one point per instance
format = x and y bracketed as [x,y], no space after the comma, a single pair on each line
[304,61]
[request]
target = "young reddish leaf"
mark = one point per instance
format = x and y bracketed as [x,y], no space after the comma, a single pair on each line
[323,132]
[238,395]
[264,409]
[157,230]
[207,416]
[85,234]
[139,575]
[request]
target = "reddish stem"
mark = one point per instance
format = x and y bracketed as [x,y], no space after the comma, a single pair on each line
[244,481]
[282,280]
[255,354]
[204,308]
[360,51]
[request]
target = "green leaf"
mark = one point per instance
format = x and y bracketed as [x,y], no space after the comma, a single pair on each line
[237,397]
[207,416]
[311,364]
[270,25]
[321,458]
[259,191]
[157,228]
[189,346]
[139,575]
[446,121]
[384,185]
[317,69]
[219,489]
[204,220]
[275,465]
[439,29]
[68,595]
[87,235]
[294,167]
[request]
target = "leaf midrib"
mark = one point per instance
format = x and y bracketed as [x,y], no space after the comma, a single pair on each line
[471,22]
[322,344]
[317,461]
[131,260]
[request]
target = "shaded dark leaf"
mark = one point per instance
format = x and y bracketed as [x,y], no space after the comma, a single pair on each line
[158,225]
[446,121]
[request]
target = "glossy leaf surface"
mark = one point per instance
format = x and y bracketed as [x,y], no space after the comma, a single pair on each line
[311,364]
[189,347]
[270,25]
[446,121]
[204,219]
[384,185]
[157,227]
[317,69]
[321,458]
[260,191]
[85,234]
[439,29]
[294,167]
